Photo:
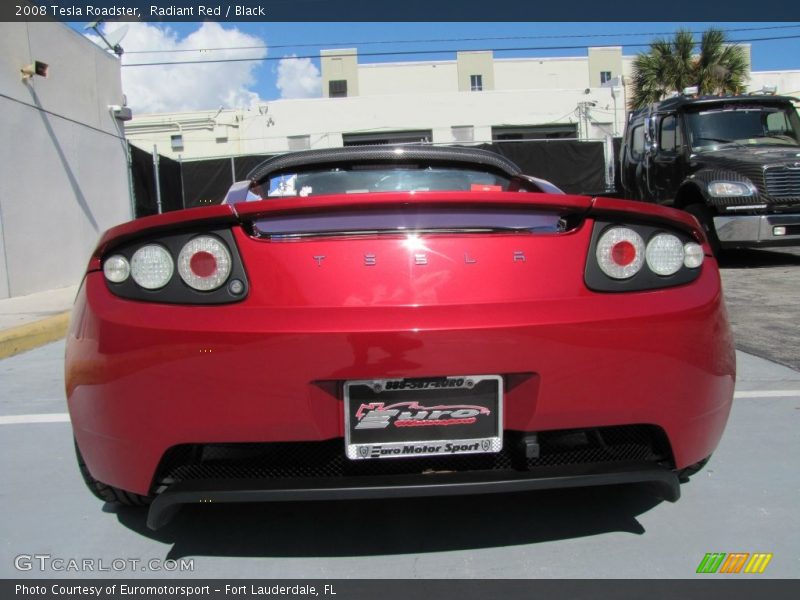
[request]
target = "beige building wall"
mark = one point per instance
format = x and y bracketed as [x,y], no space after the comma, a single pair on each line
[475,63]
[607,60]
[325,120]
[787,83]
[407,78]
[540,74]
[337,65]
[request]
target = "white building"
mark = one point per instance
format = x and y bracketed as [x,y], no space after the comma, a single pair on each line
[475,98]
[63,157]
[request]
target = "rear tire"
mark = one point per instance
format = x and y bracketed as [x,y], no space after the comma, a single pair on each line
[685,473]
[703,214]
[105,492]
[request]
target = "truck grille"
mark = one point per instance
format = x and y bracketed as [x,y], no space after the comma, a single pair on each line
[782,182]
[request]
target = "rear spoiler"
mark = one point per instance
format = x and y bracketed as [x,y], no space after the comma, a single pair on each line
[228,215]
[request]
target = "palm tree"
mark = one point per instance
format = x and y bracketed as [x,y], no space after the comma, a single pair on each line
[671,65]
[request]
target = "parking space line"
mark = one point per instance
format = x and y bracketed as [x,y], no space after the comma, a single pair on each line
[43,418]
[767,394]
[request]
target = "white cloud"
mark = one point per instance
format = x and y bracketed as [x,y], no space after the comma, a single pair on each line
[167,88]
[298,78]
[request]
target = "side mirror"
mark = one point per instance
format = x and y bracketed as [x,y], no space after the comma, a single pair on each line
[650,144]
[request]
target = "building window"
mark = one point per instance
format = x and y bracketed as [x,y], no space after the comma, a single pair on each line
[476,83]
[298,142]
[337,88]
[510,133]
[176,141]
[605,77]
[421,136]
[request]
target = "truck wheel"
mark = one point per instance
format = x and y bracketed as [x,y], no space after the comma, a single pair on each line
[108,493]
[706,218]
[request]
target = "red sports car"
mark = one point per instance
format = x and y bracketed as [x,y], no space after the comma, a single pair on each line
[396,321]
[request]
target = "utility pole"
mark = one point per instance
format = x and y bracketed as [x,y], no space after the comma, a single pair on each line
[583,118]
[156,176]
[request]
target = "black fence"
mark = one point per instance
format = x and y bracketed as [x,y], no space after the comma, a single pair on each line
[576,167]
[144,183]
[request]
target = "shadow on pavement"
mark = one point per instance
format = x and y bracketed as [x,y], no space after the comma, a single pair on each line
[402,526]
[748,258]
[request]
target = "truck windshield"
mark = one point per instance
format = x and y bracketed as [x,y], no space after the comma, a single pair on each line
[723,125]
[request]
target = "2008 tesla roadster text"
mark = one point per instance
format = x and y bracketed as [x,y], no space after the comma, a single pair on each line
[396,321]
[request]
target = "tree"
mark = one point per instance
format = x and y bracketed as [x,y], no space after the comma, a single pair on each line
[672,65]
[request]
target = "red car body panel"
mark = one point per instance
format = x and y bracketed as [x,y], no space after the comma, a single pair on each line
[143,376]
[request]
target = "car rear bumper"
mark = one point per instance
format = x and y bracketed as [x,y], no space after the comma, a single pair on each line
[143,378]
[663,481]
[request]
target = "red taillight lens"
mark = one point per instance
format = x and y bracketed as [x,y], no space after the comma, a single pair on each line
[204,263]
[620,252]
[623,253]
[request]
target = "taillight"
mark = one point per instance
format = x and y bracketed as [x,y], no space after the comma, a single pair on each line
[693,255]
[665,254]
[152,266]
[116,268]
[628,257]
[204,263]
[180,268]
[620,252]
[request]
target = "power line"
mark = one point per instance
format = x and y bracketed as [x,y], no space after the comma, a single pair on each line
[60,116]
[418,52]
[443,40]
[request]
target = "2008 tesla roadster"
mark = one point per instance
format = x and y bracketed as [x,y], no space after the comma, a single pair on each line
[396,321]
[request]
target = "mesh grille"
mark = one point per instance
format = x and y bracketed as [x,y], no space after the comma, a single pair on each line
[782,182]
[639,443]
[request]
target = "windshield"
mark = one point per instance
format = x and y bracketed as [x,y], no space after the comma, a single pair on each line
[743,125]
[370,179]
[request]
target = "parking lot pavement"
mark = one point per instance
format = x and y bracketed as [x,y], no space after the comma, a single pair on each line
[745,500]
[762,289]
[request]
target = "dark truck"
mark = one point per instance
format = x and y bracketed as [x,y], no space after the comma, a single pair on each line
[731,161]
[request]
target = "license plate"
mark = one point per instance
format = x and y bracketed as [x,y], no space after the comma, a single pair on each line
[438,416]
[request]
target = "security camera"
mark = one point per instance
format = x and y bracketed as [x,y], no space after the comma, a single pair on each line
[37,68]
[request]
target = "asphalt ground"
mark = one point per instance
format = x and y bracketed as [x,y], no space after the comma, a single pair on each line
[762,292]
[745,500]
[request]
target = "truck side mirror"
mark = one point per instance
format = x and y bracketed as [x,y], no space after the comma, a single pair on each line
[650,144]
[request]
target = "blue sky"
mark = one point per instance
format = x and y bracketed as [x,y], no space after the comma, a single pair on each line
[272,78]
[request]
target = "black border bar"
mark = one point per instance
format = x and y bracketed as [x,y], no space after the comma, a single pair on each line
[701,588]
[712,11]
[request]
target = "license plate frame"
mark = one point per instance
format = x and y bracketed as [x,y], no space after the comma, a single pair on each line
[423,416]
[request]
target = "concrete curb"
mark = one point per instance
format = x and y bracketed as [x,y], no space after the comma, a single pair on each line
[32,335]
